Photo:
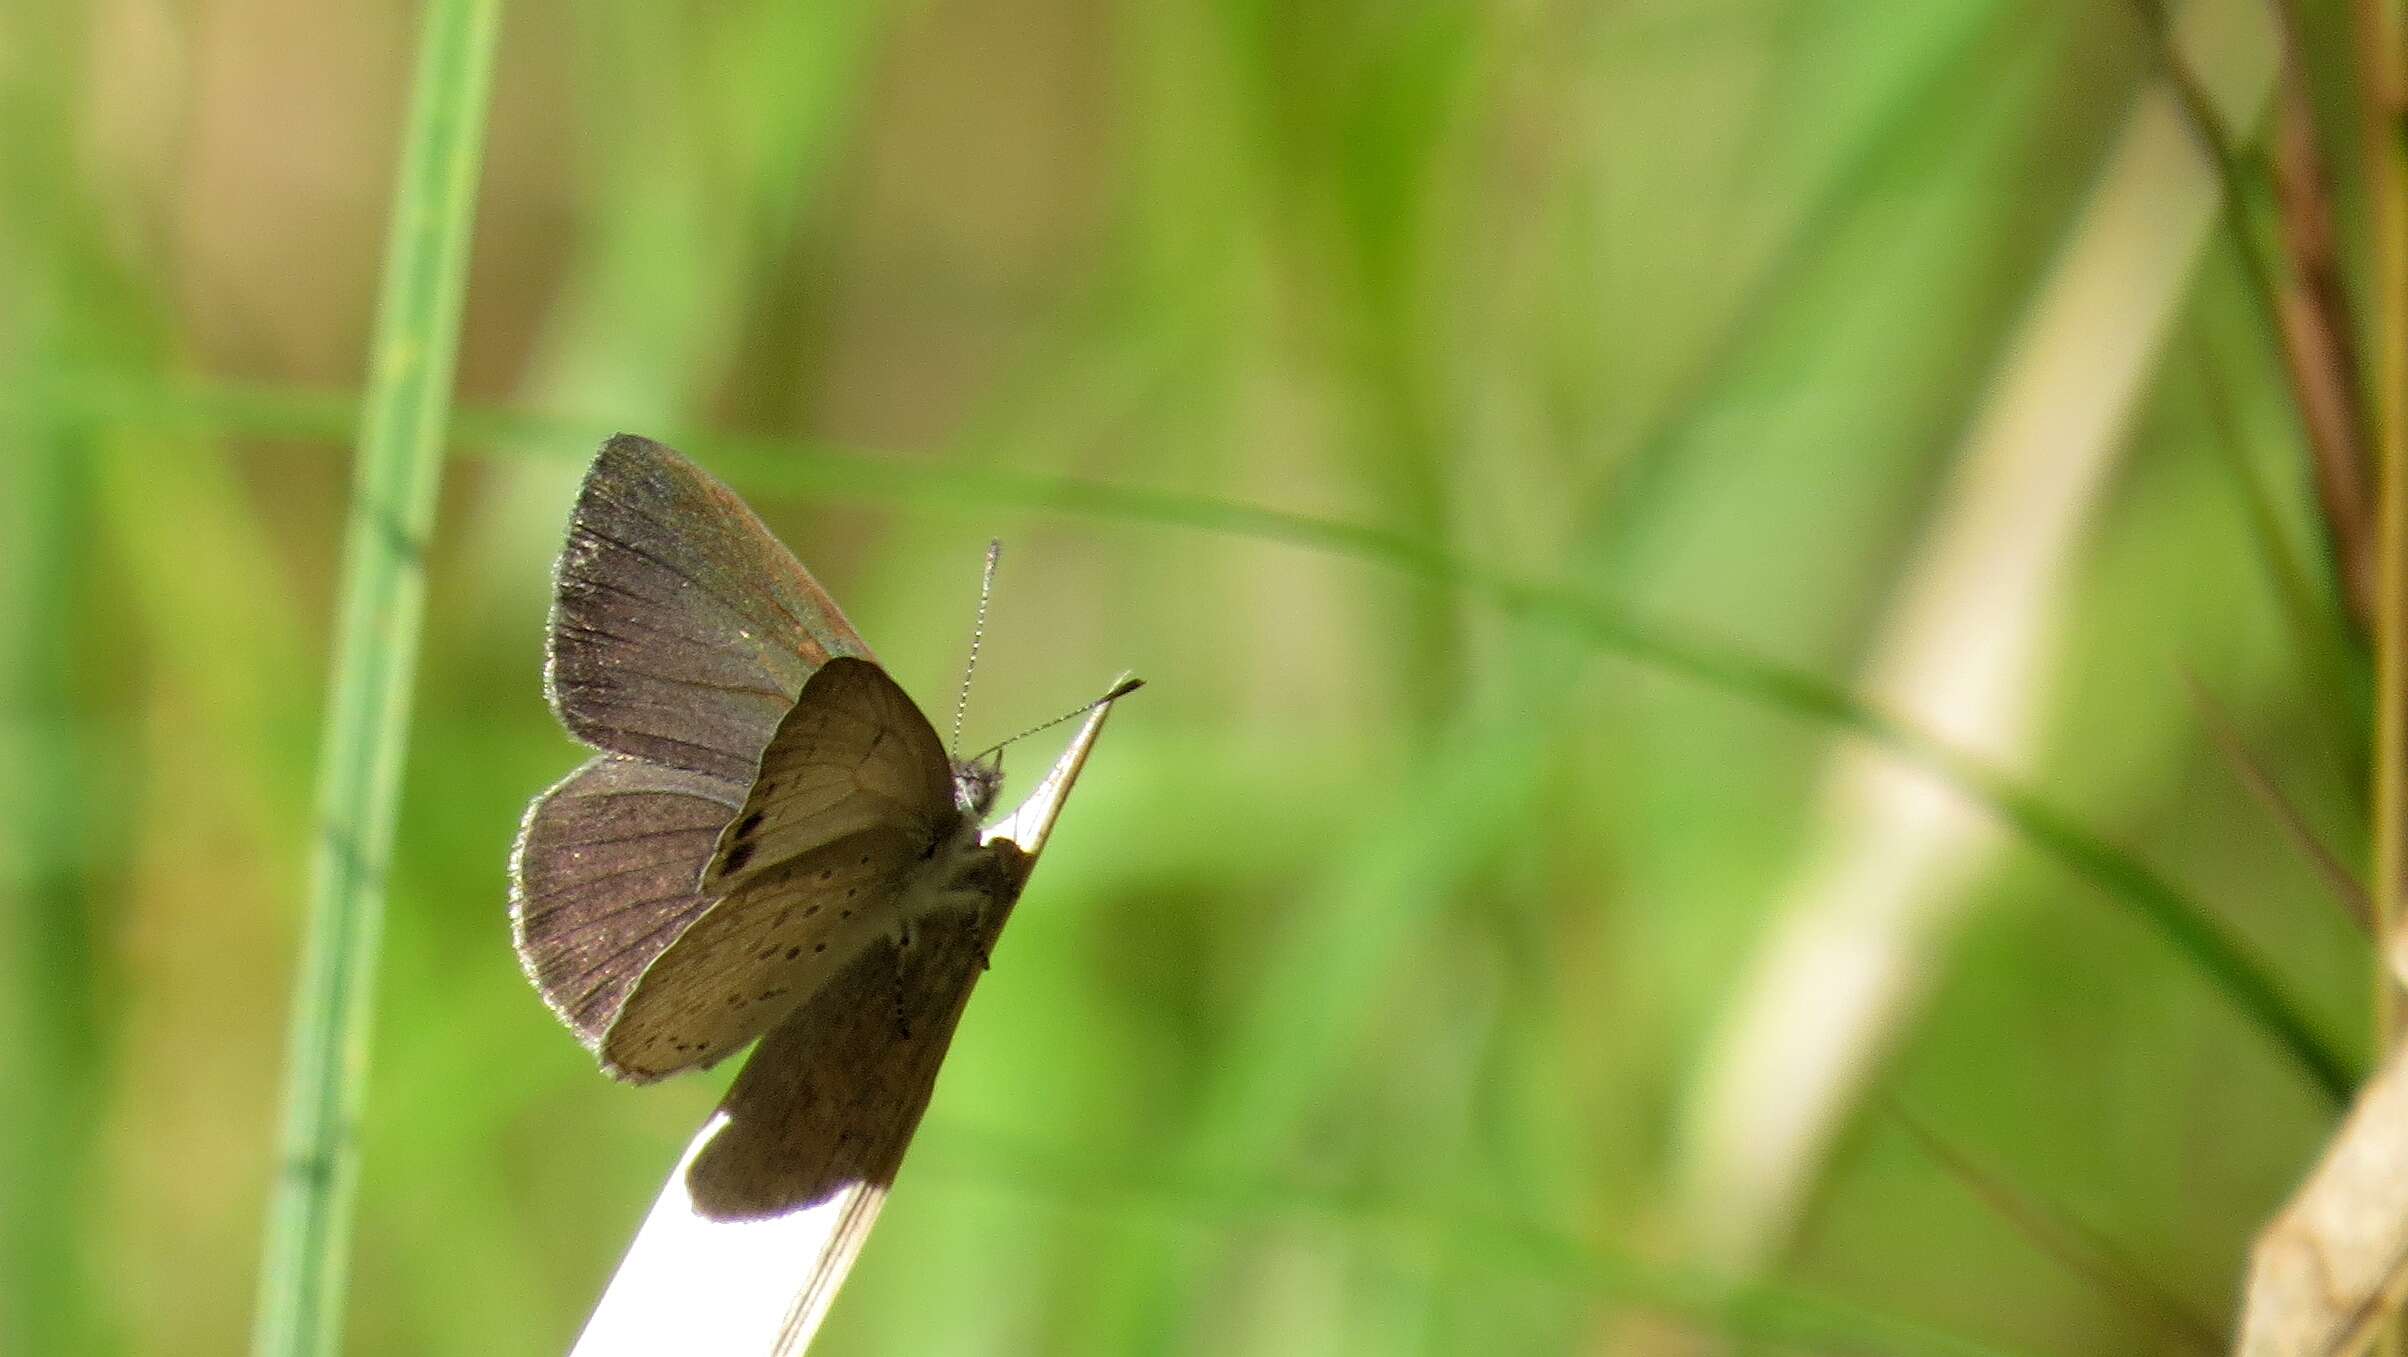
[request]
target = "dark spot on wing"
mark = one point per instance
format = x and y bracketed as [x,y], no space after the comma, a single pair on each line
[738,856]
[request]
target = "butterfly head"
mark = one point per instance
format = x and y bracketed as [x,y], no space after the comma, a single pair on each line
[975,783]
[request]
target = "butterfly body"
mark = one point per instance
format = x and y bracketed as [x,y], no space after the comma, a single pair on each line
[768,809]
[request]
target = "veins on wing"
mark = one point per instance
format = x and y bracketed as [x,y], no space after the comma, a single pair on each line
[755,530]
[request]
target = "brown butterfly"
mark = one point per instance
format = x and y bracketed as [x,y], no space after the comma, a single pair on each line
[768,811]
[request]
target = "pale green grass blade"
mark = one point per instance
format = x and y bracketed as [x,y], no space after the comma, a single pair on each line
[402,426]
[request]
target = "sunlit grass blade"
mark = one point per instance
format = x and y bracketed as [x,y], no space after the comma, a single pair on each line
[1967,649]
[402,425]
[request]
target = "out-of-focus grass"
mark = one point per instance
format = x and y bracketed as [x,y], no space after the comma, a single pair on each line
[1609,630]
[1386,897]
[55,990]
[63,822]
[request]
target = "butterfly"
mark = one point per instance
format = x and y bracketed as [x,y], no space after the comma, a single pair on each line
[768,813]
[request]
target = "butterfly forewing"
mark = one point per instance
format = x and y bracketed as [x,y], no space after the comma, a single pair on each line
[681,629]
[853,753]
[603,879]
[774,940]
[853,802]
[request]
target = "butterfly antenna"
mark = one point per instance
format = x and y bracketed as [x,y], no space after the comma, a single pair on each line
[1119,690]
[978,633]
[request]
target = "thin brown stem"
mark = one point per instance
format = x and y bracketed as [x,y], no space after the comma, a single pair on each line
[2319,322]
[2259,782]
[2305,304]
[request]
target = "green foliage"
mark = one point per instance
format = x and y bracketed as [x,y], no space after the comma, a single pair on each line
[1629,348]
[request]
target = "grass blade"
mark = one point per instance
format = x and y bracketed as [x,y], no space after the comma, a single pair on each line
[401,429]
[822,470]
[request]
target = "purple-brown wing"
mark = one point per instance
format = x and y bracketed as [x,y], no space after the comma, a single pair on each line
[681,629]
[853,753]
[775,940]
[604,878]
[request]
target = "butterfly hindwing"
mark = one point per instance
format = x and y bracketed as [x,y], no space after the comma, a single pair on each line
[761,951]
[603,879]
[853,752]
[830,1101]
[681,629]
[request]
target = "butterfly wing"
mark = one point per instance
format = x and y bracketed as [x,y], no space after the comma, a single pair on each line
[855,794]
[854,752]
[681,629]
[603,879]
[824,1110]
[832,1097]
[752,1238]
[760,952]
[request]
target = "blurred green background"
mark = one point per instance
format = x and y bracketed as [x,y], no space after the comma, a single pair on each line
[1381,990]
